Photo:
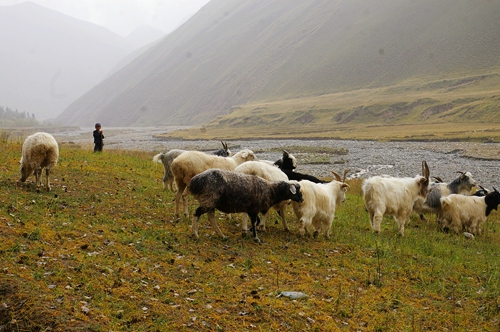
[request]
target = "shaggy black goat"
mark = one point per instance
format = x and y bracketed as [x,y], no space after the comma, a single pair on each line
[233,192]
[288,163]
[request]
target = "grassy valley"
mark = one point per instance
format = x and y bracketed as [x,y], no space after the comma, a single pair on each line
[464,108]
[102,252]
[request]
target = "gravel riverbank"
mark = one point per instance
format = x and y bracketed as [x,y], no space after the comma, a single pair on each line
[363,159]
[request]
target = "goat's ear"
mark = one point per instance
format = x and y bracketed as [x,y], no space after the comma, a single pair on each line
[345,186]
[425,170]
[495,189]
[293,189]
[285,154]
[244,154]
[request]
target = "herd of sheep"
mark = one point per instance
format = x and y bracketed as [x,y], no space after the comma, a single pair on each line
[241,183]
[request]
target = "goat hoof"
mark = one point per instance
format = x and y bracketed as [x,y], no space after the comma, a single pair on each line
[256,239]
[315,234]
[243,234]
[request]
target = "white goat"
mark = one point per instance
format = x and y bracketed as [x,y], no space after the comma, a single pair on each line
[319,205]
[270,173]
[233,192]
[191,163]
[432,204]
[468,212]
[39,151]
[385,195]
[166,159]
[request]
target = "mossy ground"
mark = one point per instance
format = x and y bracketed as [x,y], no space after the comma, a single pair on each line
[102,252]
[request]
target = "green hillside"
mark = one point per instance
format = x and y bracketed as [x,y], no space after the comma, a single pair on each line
[234,53]
[464,108]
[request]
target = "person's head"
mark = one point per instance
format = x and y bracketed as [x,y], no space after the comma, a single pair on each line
[98,126]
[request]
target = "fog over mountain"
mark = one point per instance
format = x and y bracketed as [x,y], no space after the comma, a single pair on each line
[232,52]
[144,35]
[48,59]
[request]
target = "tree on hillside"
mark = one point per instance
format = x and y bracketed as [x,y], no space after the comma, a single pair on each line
[10,118]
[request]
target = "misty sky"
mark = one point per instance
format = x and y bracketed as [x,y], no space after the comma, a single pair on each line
[123,16]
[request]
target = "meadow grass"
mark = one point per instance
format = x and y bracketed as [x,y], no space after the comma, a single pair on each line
[103,252]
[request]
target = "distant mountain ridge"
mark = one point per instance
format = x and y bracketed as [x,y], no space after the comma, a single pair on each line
[234,52]
[49,59]
[144,35]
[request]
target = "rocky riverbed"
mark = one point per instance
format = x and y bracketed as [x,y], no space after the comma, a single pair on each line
[362,158]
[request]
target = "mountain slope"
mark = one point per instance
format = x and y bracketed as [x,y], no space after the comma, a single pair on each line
[48,59]
[233,52]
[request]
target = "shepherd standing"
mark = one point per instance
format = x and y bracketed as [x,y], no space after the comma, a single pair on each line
[98,138]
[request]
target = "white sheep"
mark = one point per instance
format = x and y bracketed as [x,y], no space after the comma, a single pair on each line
[468,212]
[167,158]
[270,173]
[233,192]
[385,195]
[191,163]
[319,204]
[39,151]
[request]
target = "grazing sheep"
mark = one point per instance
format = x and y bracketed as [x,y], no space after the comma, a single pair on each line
[270,173]
[288,163]
[319,205]
[432,204]
[191,163]
[39,151]
[233,192]
[167,158]
[385,195]
[468,212]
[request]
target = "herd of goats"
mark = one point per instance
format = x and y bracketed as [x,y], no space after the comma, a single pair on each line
[241,183]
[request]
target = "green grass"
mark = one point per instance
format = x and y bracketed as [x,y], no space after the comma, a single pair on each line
[102,252]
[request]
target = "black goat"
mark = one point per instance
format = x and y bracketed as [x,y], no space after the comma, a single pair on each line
[481,192]
[288,163]
[232,192]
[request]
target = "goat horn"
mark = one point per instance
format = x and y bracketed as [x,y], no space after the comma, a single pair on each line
[495,189]
[345,174]
[438,179]
[337,176]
